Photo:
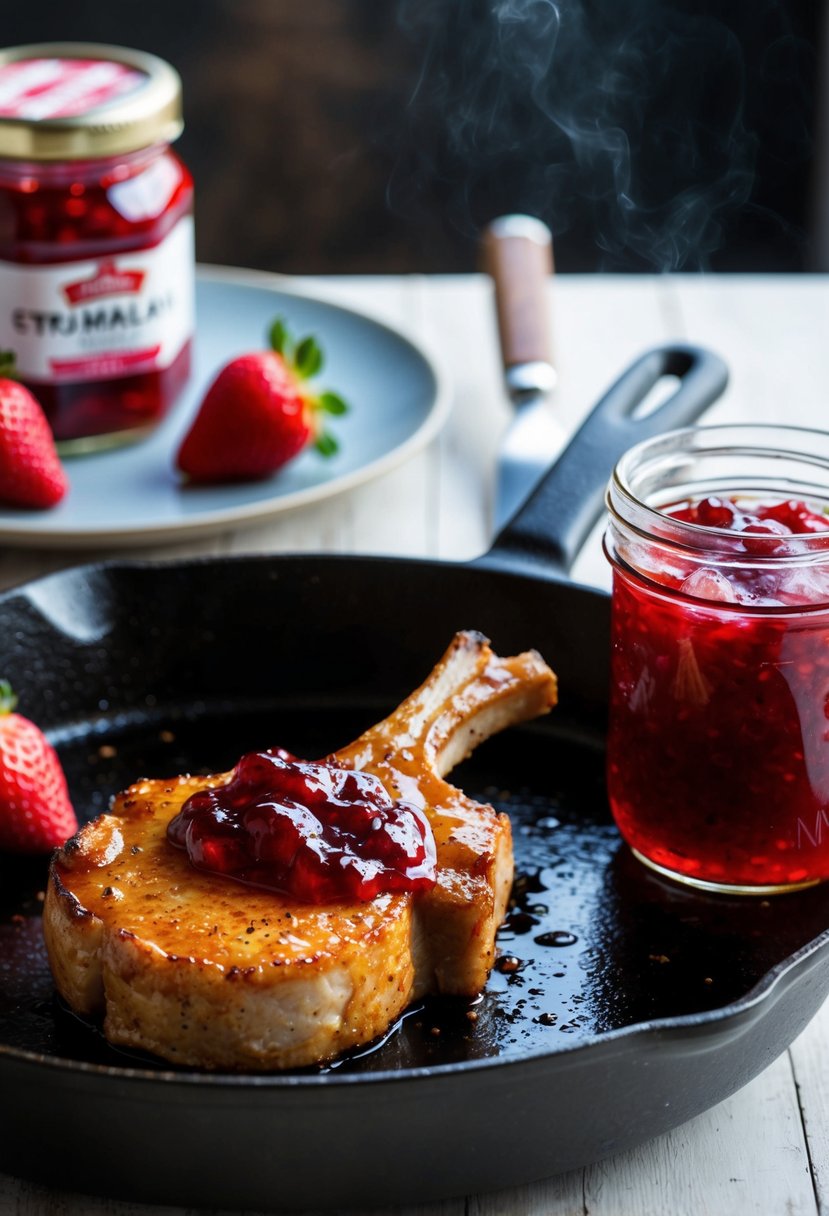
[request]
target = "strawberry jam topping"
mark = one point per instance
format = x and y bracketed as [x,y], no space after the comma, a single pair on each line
[315,831]
[719,746]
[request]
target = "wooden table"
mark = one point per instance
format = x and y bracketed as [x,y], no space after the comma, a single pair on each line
[765,1150]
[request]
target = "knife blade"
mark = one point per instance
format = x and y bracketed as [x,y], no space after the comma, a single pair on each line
[518,256]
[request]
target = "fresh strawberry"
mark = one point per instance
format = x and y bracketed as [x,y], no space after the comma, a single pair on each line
[259,413]
[31,474]
[35,812]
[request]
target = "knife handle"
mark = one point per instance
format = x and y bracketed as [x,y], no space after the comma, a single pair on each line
[518,254]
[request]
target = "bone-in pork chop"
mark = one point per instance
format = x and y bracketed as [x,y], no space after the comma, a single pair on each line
[205,971]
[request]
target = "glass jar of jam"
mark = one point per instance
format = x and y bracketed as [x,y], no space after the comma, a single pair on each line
[718,749]
[96,237]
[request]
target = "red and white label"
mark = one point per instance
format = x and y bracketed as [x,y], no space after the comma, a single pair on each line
[105,280]
[98,320]
[37,89]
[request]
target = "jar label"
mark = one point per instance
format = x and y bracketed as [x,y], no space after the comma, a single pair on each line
[38,89]
[100,319]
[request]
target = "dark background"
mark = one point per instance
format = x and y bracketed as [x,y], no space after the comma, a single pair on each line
[378,135]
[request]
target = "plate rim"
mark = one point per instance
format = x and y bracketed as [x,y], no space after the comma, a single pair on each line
[215,521]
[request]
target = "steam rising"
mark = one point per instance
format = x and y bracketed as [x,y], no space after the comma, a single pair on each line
[625,118]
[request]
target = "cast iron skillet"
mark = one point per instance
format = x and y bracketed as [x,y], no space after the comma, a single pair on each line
[623,1004]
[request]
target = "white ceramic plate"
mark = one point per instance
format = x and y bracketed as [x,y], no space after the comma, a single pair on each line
[132,495]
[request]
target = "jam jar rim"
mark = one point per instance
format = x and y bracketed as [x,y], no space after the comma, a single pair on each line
[721,608]
[147,115]
[653,525]
[56,173]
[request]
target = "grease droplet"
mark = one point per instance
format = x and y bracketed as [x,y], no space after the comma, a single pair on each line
[520,922]
[558,937]
[507,964]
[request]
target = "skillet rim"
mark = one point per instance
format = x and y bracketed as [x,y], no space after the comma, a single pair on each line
[693,1027]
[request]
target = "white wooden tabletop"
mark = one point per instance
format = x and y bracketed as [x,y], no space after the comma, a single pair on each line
[765,1150]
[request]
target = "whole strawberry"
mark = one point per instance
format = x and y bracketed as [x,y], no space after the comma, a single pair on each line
[31,474]
[35,812]
[259,413]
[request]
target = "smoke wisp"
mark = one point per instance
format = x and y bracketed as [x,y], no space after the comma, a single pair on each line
[626,119]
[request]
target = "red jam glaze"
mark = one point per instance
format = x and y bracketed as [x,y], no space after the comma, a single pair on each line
[53,217]
[719,745]
[320,833]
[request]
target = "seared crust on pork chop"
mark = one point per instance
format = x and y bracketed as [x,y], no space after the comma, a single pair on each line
[208,972]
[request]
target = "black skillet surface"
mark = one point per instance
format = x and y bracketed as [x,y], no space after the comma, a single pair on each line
[622,1004]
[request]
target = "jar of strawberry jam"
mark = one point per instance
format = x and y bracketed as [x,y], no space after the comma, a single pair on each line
[718,749]
[96,237]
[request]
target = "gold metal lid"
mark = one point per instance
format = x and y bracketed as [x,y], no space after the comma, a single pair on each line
[80,100]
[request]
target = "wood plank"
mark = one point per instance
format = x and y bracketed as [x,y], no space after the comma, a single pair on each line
[810,1060]
[600,328]
[395,513]
[459,326]
[746,1157]
[771,331]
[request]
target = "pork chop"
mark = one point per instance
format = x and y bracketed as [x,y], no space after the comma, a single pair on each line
[204,971]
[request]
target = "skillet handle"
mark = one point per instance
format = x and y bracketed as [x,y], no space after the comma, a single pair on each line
[548,531]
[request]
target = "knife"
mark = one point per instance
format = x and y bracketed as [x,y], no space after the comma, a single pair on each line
[518,253]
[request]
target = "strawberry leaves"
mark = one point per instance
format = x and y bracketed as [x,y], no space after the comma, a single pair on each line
[306,360]
[332,403]
[279,339]
[326,444]
[8,699]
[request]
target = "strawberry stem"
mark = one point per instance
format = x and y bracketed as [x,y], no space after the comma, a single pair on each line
[8,370]
[8,700]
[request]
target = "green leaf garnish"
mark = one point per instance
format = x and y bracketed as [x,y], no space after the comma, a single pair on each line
[307,358]
[326,444]
[8,371]
[279,339]
[332,403]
